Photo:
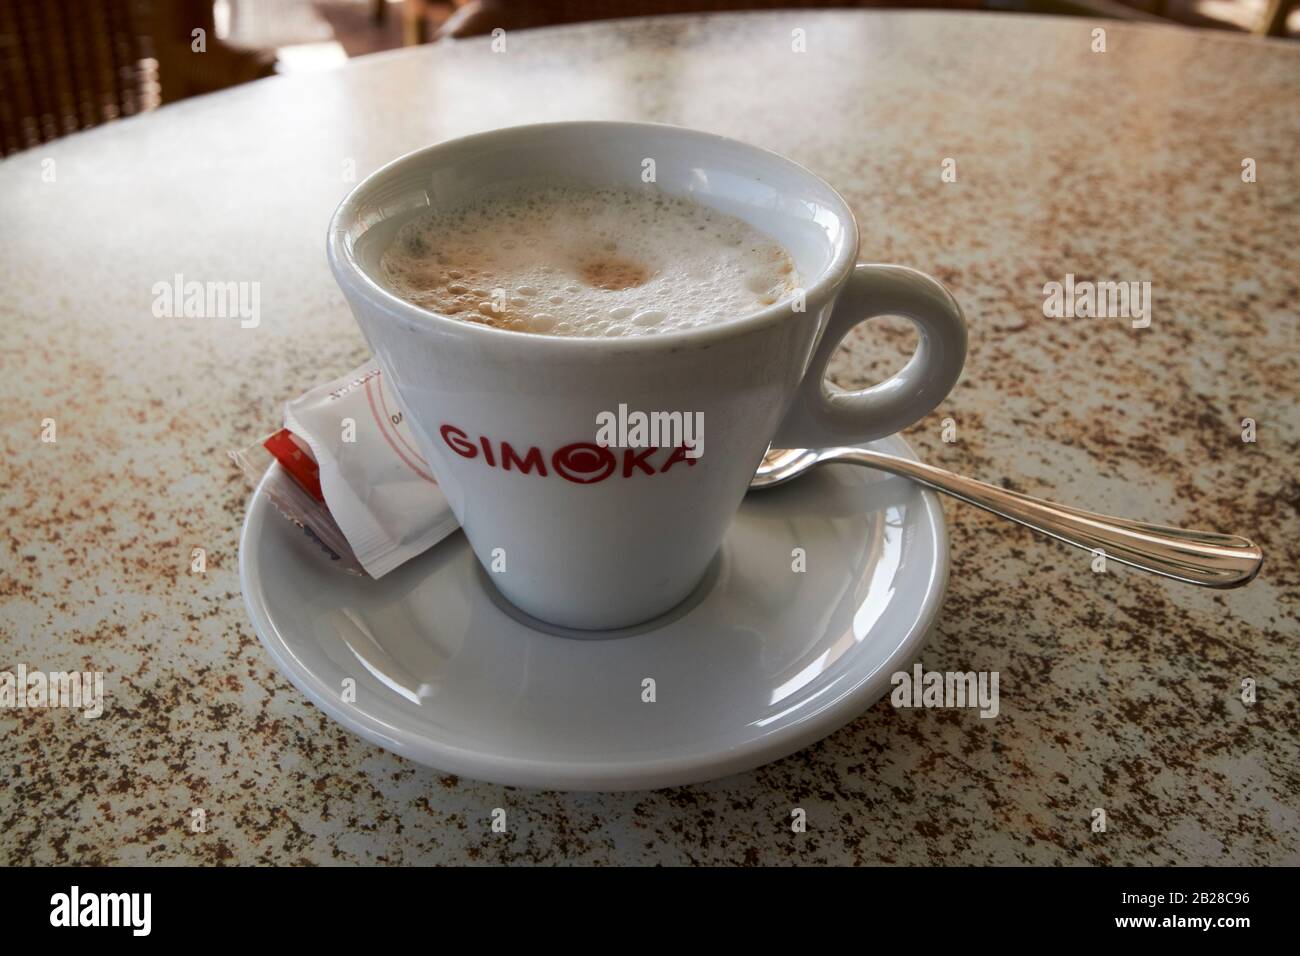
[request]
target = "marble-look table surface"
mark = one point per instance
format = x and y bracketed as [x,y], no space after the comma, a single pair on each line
[1118,691]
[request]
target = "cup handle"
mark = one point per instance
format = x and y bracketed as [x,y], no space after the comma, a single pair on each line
[820,417]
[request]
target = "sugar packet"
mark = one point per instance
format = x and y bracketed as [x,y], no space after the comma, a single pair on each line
[347,448]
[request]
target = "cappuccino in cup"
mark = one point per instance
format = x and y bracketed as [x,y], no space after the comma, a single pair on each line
[578,260]
[723,290]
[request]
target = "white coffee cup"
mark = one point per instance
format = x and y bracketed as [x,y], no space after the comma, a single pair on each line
[576,534]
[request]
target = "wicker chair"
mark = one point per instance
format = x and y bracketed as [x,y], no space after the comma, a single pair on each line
[67,65]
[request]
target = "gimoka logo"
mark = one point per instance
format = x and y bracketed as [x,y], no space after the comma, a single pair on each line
[583,463]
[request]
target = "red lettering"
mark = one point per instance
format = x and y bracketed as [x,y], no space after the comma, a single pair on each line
[583,463]
[527,463]
[458,441]
[679,454]
[633,459]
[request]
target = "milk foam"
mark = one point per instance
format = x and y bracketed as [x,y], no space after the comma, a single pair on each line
[578,260]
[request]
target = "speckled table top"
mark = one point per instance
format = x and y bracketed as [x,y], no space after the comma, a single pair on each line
[1118,691]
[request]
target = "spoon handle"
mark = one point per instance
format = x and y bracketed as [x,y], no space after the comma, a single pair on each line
[1197,557]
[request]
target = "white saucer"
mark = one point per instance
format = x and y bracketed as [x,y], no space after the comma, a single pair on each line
[759,663]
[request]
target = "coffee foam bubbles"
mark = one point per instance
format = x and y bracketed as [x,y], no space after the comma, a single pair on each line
[587,261]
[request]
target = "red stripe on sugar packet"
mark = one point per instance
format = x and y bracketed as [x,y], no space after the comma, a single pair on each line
[293,455]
